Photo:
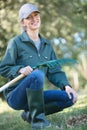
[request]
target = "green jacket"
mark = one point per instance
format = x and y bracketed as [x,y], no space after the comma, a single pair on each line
[22,52]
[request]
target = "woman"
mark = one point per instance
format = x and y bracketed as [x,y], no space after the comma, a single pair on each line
[22,53]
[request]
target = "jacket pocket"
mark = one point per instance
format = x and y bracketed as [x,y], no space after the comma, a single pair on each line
[45,58]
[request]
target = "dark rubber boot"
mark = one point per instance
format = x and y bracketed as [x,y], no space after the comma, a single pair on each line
[52,108]
[36,109]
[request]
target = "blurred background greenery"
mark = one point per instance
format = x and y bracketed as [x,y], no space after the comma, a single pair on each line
[64,23]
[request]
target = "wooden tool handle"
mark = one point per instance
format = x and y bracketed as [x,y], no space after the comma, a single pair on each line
[12,82]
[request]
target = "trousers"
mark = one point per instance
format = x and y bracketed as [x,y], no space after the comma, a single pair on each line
[18,98]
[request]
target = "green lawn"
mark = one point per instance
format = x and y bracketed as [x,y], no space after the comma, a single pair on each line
[73,118]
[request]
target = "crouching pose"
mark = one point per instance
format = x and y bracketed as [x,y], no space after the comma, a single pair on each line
[23,52]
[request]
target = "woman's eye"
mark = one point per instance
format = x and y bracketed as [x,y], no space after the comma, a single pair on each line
[28,17]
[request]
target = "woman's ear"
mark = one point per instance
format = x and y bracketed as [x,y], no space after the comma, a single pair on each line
[22,23]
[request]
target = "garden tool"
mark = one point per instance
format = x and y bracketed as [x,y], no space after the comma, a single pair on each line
[50,64]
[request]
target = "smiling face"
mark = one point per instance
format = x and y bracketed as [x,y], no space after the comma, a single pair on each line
[32,22]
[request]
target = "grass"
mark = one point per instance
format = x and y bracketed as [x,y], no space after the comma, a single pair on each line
[73,118]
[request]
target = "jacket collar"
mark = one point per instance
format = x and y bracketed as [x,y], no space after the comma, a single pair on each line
[25,38]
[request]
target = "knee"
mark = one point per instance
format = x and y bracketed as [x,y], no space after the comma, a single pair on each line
[71,100]
[38,79]
[39,75]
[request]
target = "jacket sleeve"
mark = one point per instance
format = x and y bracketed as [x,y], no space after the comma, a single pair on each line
[8,67]
[56,76]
